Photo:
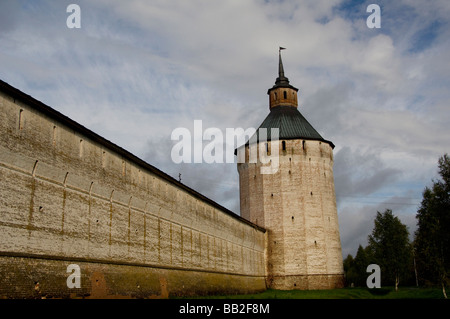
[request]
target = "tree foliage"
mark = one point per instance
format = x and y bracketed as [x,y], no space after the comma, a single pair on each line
[388,247]
[355,268]
[391,248]
[428,257]
[432,237]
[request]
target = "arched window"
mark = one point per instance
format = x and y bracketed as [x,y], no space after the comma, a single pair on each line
[284,94]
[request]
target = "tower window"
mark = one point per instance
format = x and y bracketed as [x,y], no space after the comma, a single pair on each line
[284,94]
[103,159]
[275,95]
[20,119]
[54,135]
[81,148]
[283,145]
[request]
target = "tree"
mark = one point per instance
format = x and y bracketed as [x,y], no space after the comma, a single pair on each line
[390,246]
[349,271]
[355,268]
[432,237]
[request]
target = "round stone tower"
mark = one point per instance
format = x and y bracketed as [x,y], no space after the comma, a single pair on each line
[296,203]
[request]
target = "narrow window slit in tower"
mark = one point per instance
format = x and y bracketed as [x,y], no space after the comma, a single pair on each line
[283,144]
[103,158]
[20,119]
[54,135]
[81,148]
[285,95]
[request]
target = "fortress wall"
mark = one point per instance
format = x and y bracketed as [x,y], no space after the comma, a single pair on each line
[69,196]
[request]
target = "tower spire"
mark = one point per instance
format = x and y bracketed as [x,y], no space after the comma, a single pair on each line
[282,93]
[280,64]
[282,79]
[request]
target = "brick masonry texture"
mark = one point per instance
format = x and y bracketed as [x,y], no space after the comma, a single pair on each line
[70,197]
[297,206]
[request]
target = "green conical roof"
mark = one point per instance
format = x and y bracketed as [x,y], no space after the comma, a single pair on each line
[291,123]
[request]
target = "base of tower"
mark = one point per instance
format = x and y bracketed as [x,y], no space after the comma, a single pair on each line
[306,282]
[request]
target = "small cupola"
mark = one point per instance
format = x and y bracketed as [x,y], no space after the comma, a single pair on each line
[282,93]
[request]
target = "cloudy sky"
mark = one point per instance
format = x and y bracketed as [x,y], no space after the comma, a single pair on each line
[136,70]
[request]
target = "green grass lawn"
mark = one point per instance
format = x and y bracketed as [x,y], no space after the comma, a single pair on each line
[344,293]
